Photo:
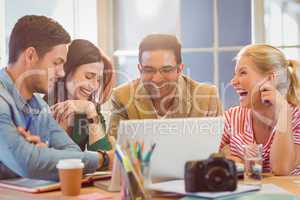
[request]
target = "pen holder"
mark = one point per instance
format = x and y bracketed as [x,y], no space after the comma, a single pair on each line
[136,173]
[124,192]
[131,190]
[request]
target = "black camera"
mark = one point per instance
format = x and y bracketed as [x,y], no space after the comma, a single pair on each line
[214,174]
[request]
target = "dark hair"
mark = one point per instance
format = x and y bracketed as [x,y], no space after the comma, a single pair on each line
[160,42]
[80,52]
[40,32]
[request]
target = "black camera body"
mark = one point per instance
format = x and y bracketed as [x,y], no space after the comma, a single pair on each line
[215,174]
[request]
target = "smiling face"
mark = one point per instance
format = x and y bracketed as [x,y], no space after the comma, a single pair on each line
[84,81]
[159,72]
[246,81]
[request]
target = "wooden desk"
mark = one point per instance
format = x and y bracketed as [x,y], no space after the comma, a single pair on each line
[285,182]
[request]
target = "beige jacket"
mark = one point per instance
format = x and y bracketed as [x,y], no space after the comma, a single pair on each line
[193,99]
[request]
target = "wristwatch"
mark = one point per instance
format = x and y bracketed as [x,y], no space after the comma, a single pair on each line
[105,159]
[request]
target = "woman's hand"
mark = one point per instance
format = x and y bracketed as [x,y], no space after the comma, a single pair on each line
[270,95]
[234,158]
[110,155]
[226,151]
[65,111]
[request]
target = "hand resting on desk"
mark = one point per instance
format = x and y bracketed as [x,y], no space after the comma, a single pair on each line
[227,153]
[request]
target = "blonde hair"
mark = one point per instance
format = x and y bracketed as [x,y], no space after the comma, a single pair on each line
[270,59]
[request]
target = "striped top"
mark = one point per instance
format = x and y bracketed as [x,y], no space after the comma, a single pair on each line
[238,131]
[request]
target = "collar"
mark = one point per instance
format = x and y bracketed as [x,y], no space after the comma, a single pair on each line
[30,106]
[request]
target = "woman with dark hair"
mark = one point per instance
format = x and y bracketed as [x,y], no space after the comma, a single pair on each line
[76,99]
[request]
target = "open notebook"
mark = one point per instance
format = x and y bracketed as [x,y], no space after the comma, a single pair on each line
[37,186]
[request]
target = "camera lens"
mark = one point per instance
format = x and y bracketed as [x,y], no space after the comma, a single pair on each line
[216,178]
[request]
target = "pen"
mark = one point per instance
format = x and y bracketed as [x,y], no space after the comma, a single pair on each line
[46,139]
[143,146]
[135,162]
[119,153]
[132,150]
[149,153]
[136,149]
[28,123]
[139,152]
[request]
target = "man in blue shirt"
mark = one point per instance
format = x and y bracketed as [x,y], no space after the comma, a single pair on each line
[37,51]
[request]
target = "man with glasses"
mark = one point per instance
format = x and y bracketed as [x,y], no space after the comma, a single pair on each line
[162,91]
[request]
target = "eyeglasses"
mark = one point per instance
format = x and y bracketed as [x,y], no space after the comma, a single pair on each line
[165,71]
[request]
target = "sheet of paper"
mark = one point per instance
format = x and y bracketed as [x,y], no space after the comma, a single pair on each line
[177,186]
[267,192]
[271,188]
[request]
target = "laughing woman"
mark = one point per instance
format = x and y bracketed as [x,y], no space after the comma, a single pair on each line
[269,112]
[76,99]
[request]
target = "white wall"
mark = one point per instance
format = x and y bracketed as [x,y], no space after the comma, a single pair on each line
[78,17]
[2,33]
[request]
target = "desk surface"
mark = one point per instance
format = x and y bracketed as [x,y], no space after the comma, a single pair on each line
[287,183]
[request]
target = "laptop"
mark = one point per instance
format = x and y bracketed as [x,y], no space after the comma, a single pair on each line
[177,140]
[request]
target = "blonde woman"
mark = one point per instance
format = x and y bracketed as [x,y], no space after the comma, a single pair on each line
[269,111]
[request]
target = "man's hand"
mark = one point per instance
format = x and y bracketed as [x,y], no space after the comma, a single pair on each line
[31,138]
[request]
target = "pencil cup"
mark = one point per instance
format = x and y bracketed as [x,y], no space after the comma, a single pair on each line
[124,191]
[70,174]
[132,187]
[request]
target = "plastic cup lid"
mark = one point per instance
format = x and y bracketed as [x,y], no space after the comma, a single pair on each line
[70,164]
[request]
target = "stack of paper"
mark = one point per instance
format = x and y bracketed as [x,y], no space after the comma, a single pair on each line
[177,186]
[243,192]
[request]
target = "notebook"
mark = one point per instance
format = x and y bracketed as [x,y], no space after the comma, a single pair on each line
[38,186]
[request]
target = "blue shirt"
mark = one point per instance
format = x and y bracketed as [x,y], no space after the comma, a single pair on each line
[18,157]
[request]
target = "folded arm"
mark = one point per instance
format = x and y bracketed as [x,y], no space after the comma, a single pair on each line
[28,160]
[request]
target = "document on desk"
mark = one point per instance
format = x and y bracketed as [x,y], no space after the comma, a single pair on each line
[267,192]
[177,186]
[37,186]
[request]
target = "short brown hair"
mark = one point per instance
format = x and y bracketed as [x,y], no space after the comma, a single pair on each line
[161,42]
[40,32]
